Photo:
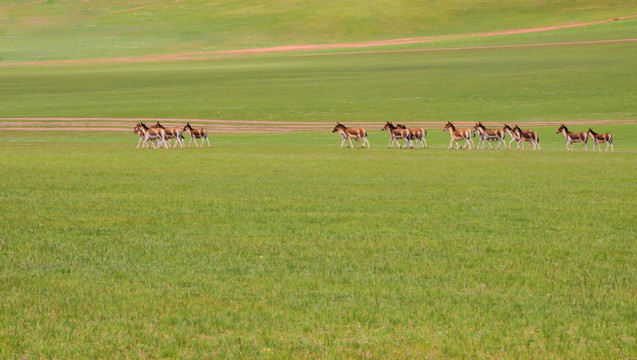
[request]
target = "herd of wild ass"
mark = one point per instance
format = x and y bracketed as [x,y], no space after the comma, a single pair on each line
[485,136]
[162,136]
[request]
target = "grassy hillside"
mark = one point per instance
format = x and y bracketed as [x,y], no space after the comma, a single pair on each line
[69,29]
[562,83]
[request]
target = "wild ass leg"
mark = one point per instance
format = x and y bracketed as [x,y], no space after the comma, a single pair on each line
[469,142]
[146,143]
[177,142]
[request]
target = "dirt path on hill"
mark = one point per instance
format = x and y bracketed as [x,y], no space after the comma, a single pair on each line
[254,126]
[201,55]
[242,126]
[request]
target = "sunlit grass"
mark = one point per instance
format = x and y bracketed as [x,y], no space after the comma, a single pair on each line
[267,247]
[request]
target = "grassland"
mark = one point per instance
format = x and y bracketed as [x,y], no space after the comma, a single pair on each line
[282,246]
[66,29]
[561,83]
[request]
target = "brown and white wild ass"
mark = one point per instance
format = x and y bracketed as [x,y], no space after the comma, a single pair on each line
[572,137]
[150,134]
[524,136]
[416,133]
[485,134]
[142,135]
[172,133]
[196,134]
[514,137]
[396,134]
[351,133]
[601,138]
[458,135]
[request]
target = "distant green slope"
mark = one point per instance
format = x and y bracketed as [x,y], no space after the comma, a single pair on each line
[66,29]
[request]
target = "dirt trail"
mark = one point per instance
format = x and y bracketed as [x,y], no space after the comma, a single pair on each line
[243,126]
[146,6]
[240,126]
[200,55]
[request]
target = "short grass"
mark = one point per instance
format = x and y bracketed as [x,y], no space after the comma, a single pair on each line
[562,83]
[68,29]
[284,246]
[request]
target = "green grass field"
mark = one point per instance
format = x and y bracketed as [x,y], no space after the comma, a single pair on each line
[282,245]
[563,83]
[68,29]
